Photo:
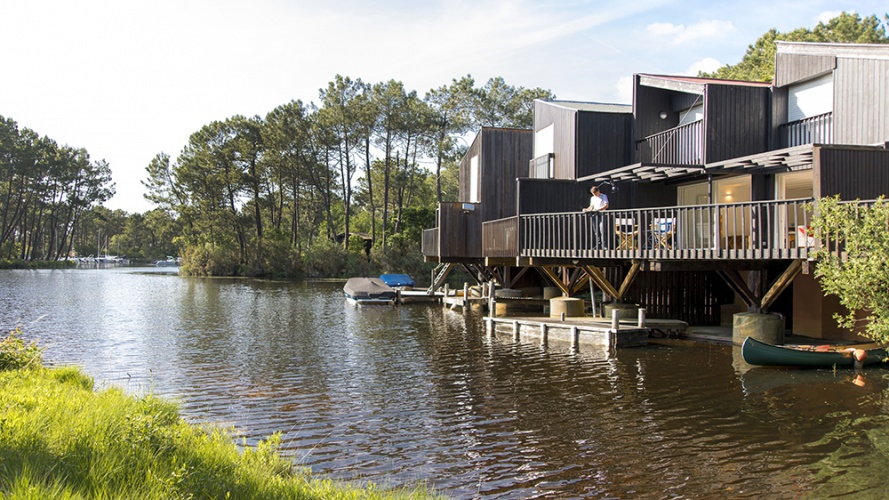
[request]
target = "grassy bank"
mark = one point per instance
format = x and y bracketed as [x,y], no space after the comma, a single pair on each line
[61,439]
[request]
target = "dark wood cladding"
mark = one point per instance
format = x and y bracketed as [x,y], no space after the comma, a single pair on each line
[586,142]
[861,101]
[459,232]
[603,142]
[503,156]
[793,68]
[564,127]
[647,106]
[691,296]
[736,121]
[853,173]
[538,196]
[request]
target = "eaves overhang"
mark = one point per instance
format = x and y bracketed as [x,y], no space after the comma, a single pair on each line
[646,172]
[780,160]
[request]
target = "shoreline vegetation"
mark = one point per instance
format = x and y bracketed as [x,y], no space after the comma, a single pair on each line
[60,438]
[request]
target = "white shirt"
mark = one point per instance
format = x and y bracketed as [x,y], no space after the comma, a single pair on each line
[597,202]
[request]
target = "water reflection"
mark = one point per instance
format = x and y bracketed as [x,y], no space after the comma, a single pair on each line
[397,395]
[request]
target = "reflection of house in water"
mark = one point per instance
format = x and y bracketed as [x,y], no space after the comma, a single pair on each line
[714,177]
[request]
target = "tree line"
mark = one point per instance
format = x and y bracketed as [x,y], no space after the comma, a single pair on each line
[362,169]
[45,191]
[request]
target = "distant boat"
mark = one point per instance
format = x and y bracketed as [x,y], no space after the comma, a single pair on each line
[759,353]
[368,291]
[169,262]
[398,281]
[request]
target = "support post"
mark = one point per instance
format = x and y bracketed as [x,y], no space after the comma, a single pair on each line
[641,322]
[615,320]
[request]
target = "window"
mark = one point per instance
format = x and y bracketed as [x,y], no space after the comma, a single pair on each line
[474,180]
[811,98]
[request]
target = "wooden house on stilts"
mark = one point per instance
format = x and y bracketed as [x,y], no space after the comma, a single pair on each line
[709,183]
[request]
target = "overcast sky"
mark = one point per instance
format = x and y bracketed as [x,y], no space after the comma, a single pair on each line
[127,80]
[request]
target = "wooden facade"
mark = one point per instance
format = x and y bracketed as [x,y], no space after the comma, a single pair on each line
[674,256]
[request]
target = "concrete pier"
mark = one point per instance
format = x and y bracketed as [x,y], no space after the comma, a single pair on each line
[768,328]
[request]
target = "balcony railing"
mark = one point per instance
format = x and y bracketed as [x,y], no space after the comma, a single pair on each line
[542,167]
[816,129]
[429,245]
[754,230]
[683,145]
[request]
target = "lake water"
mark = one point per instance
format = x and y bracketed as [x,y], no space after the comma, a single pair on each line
[400,395]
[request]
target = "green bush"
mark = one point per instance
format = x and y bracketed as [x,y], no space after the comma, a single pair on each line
[16,353]
[210,259]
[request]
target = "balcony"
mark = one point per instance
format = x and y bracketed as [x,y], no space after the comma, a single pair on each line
[740,231]
[816,129]
[681,145]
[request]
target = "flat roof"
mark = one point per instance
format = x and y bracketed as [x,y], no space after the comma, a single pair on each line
[601,107]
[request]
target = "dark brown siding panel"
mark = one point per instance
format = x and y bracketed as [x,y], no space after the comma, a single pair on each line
[861,101]
[504,157]
[736,120]
[648,104]
[460,232]
[563,120]
[540,196]
[792,68]
[604,142]
[853,173]
[474,149]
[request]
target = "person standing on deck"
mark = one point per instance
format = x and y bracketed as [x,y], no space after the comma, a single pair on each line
[598,203]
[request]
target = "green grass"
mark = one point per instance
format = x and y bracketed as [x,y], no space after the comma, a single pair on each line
[61,439]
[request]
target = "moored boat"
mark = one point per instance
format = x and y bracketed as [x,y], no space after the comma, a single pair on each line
[398,281]
[760,353]
[368,291]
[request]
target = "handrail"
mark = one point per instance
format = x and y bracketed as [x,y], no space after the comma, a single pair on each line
[811,130]
[749,230]
[682,145]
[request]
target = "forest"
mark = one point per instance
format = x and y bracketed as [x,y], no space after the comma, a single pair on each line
[337,188]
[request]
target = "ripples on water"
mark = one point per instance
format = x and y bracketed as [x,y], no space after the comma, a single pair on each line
[421,393]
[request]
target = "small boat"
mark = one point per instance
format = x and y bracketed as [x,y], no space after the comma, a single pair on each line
[367,291]
[398,281]
[759,353]
[169,262]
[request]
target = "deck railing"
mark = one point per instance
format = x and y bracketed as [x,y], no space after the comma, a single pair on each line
[753,230]
[682,145]
[429,244]
[542,167]
[816,129]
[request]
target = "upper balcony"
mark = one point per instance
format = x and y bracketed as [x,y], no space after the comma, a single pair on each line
[740,231]
[682,145]
[812,130]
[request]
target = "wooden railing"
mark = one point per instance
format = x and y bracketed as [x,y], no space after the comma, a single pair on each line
[816,129]
[753,230]
[500,238]
[429,245]
[542,167]
[683,145]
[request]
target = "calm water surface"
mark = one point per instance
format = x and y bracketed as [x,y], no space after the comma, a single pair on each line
[420,393]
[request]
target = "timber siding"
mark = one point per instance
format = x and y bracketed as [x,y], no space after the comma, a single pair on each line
[586,141]
[861,101]
[503,156]
[795,68]
[736,121]
[853,173]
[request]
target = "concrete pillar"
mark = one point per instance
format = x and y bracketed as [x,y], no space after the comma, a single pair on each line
[767,328]
[503,307]
[624,311]
[569,306]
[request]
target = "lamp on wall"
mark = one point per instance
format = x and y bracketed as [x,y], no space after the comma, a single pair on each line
[613,186]
[663,115]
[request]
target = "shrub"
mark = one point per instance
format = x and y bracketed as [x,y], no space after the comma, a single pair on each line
[15,353]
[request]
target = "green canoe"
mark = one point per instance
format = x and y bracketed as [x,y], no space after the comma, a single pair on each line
[759,353]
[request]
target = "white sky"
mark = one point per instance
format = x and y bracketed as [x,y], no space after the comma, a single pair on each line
[127,80]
